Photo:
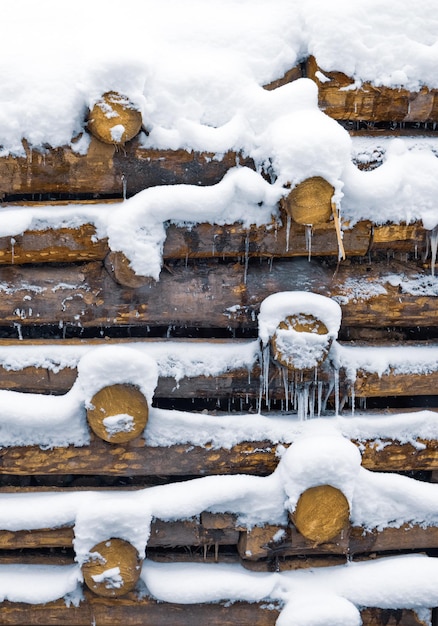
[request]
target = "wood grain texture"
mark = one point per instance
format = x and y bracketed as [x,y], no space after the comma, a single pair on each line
[68,245]
[105,169]
[342,100]
[136,458]
[208,294]
[132,611]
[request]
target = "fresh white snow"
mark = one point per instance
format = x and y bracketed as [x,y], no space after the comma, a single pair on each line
[199,82]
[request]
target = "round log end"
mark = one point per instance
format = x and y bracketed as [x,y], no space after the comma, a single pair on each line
[300,342]
[310,201]
[118,413]
[321,513]
[113,568]
[114,119]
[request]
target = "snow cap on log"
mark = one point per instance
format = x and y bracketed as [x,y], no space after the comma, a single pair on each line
[112,569]
[112,365]
[114,119]
[300,326]
[316,459]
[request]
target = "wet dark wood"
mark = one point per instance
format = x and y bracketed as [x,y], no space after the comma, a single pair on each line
[342,100]
[208,294]
[105,169]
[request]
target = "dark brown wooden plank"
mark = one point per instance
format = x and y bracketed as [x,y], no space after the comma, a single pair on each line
[257,543]
[138,459]
[339,98]
[208,294]
[131,611]
[67,245]
[104,170]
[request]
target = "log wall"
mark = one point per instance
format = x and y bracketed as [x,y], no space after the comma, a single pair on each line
[65,287]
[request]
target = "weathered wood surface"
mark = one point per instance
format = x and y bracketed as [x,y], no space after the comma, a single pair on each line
[68,245]
[132,611]
[163,535]
[253,544]
[238,383]
[208,294]
[258,543]
[106,170]
[342,100]
[136,458]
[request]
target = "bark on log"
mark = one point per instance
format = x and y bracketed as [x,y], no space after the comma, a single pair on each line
[233,384]
[137,459]
[131,611]
[68,245]
[118,413]
[208,295]
[258,543]
[112,569]
[341,100]
[104,170]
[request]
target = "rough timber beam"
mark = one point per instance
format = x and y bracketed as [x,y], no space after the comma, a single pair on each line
[341,99]
[208,294]
[132,611]
[136,458]
[68,245]
[106,170]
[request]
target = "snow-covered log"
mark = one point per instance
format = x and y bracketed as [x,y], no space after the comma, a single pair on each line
[103,170]
[341,98]
[118,413]
[112,568]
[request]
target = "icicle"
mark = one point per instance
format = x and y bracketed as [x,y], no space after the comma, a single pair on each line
[353,399]
[288,227]
[433,249]
[13,242]
[336,379]
[271,262]
[245,273]
[309,233]
[319,398]
[124,186]
[18,329]
[285,386]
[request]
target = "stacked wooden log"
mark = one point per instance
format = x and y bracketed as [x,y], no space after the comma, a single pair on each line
[65,289]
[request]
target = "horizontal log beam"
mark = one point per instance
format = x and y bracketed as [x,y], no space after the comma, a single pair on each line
[342,100]
[67,245]
[131,611]
[232,384]
[109,171]
[137,459]
[253,544]
[259,542]
[208,294]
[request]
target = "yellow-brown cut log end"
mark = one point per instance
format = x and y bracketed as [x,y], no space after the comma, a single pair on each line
[290,356]
[321,513]
[118,413]
[113,568]
[310,201]
[114,119]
